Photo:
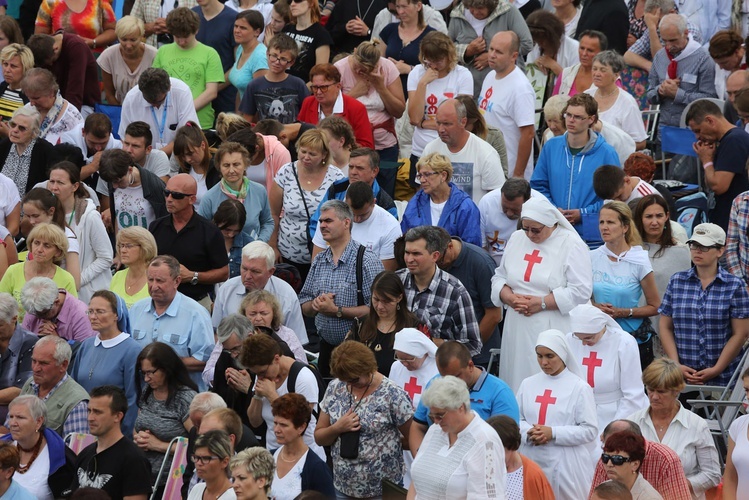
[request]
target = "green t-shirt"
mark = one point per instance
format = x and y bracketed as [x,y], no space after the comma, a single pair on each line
[196,66]
[14,279]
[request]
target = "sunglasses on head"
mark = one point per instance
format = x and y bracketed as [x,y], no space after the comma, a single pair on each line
[615,459]
[175,194]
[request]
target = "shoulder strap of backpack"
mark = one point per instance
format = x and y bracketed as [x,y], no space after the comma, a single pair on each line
[296,367]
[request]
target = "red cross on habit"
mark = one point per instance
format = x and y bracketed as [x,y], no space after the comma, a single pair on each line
[412,388]
[532,259]
[592,362]
[545,399]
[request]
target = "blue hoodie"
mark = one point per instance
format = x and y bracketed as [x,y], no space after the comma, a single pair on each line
[460,217]
[572,184]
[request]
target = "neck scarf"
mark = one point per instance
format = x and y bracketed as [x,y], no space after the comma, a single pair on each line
[52,115]
[635,255]
[234,194]
[691,47]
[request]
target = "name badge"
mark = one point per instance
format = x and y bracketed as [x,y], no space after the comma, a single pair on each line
[687,78]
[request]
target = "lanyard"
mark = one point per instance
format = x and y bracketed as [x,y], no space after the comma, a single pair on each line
[163,119]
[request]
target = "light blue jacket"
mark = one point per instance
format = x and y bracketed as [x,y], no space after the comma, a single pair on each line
[259,225]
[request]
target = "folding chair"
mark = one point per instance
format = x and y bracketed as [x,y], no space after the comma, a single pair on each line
[721,412]
[678,141]
[494,354]
[172,490]
[77,441]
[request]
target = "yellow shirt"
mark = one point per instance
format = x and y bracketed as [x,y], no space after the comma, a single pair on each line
[118,286]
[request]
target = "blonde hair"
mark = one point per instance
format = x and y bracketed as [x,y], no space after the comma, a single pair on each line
[367,54]
[437,162]
[228,123]
[624,214]
[663,374]
[22,52]
[52,235]
[315,139]
[141,237]
[128,25]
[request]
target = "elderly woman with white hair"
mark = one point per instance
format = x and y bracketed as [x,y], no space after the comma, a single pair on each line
[252,473]
[57,114]
[20,342]
[54,311]
[609,357]
[558,420]
[461,455]
[47,464]
[122,64]
[540,280]
[25,157]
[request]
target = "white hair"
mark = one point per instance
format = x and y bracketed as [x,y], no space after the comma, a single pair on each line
[259,250]
[448,392]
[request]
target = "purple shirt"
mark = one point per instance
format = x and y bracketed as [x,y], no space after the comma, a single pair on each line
[72,321]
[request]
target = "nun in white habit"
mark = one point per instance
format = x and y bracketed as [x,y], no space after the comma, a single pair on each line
[413,368]
[543,275]
[558,423]
[610,363]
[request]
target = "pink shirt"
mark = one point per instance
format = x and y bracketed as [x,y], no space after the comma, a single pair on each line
[72,321]
[372,100]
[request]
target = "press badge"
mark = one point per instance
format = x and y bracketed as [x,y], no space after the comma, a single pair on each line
[687,78]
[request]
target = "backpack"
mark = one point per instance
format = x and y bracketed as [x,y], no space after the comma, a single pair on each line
[691,210]
[291,382]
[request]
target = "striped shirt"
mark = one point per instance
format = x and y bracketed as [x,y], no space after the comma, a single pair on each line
[696,73]
[641,190]
[445,307]
[737,238]
[10,101]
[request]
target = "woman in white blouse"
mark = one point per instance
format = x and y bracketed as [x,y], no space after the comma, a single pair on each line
[459,449]
[615,105]
[667,422]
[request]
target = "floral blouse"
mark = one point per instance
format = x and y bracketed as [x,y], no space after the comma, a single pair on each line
[380,452]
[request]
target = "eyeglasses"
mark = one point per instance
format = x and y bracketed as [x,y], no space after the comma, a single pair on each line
[576,118]
[321,88]
[175,194]
[532,230]
[425,175]
[149,373]
[404,360]
[234,351]
[437,417]
[205,460]
[127,246]
[700,248]
[615,459]
[274,57]
[21,128]
[97,312]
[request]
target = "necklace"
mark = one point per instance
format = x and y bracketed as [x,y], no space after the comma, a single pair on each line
[293,458]
[136,281]
[358,8]
[359,399]
[610,93]
[35,450]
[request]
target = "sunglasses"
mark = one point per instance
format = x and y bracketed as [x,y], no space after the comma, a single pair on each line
[615,459]
[175,194]
[21,128]
[298,1]
[532,230]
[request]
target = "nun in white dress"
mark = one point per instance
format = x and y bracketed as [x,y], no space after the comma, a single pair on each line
[412,370]
[542,277]
[610,363]
[558,418]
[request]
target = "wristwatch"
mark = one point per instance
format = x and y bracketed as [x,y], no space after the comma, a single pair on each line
[194,280]
[339,313]
[543,303]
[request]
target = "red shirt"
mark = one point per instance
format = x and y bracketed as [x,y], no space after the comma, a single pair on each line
[354,112]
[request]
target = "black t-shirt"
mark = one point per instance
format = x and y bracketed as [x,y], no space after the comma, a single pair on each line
[308,40]
[199,246]
[121,470]
[730,156]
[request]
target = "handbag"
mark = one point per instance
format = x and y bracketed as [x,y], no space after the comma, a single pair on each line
[644,332]
[306,209]
[350,440]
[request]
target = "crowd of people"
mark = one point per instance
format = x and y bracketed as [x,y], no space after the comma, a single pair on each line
[354,249]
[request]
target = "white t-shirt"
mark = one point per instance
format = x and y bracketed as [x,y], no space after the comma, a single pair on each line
[290,485]
[35,479]
[256,173]
[436,210]
[74,246]
[132,208]
[306,385]
[477,168]
[496,228]
[9,197]
[478,25]
[378,233]
[458,82]
[198,493]
[625,114]
[157,162]
[75,137]
[202,187]
[509,103]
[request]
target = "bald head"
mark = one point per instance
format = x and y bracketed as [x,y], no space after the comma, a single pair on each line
[451,124]
[621,425]
[736,82]
[182,189]
[503,52]
[510,38]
